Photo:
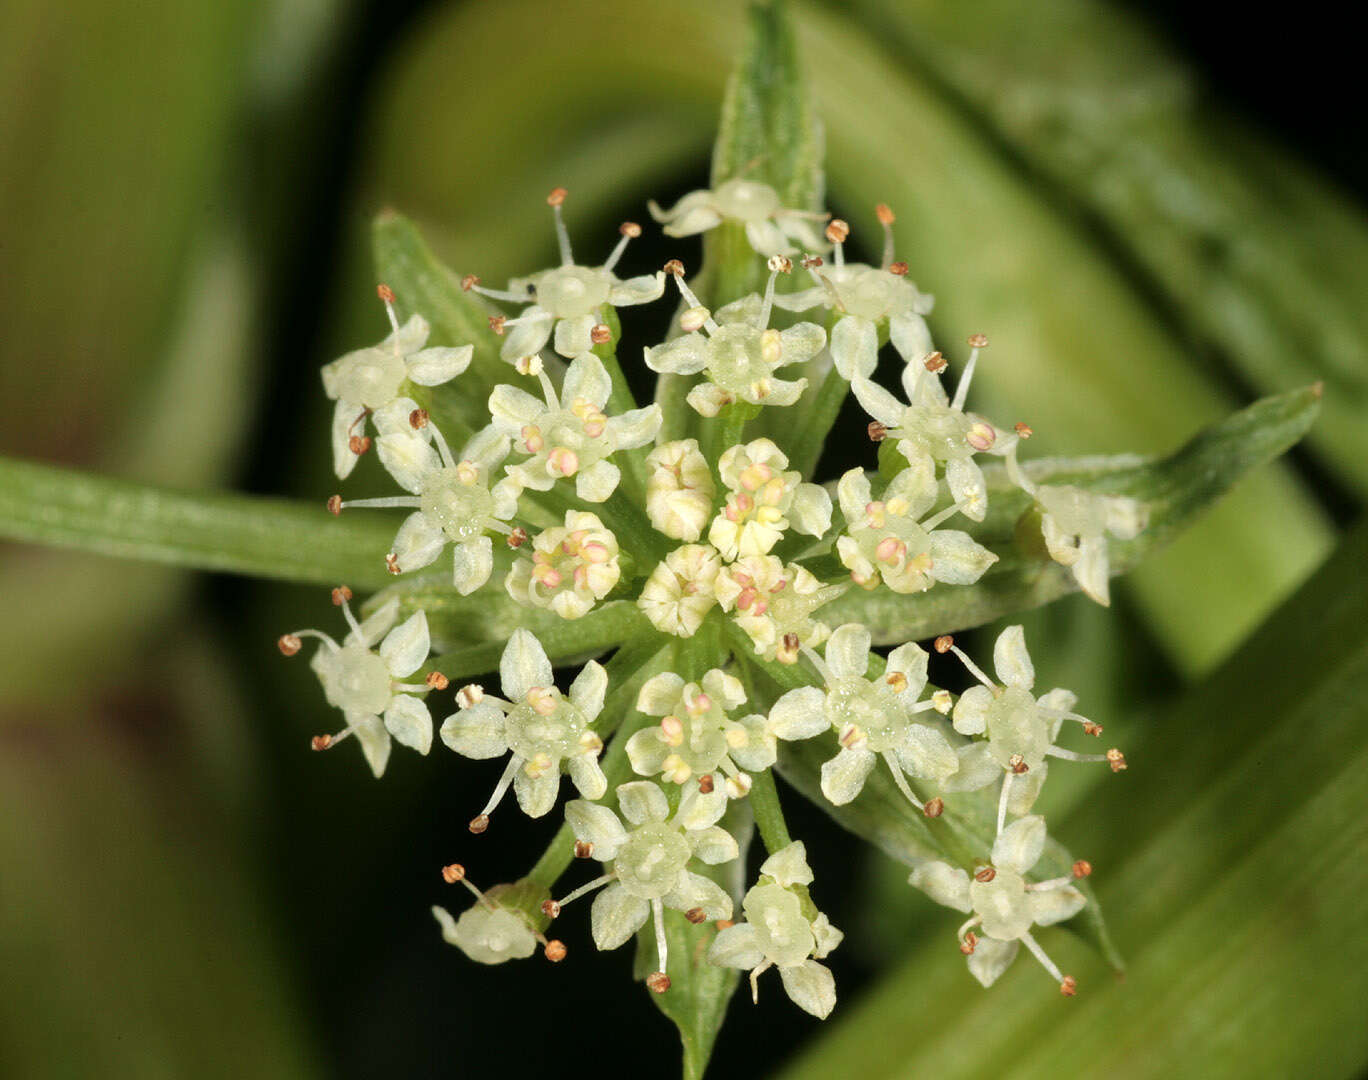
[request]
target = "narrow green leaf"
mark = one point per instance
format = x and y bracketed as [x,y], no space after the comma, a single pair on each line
[1229,856]
[239,534]
[1176,489]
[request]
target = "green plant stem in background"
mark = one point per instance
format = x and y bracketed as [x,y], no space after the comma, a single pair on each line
[769,815]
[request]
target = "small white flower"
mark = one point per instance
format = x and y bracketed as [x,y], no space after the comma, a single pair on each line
[569,567]
[933,428]
[773,604]
[488,932]
[679,490]
[568,434]
[885,542]
[543,729]
[783,930]
[770,227]
[371,380]
[1004,904]
[738,354]
[872,718]
[648,863]
[696,738]
[567,303]
[681,590]
[367,684]
[455,502]
[764,501]
[1075,524]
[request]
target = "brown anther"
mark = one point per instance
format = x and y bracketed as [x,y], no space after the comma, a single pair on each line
[1082,868]
[811,262]
[935,807]
[583,849]
[837,230]
[1069,987]
[550,909]
[453,872]
[554,951]
[943,644]
[780,264]
[392,564]
[1023,430]
[1091,728]
[630,228]
[657,982]
[877,432]
[289,644]
[469,282]
[695,915]
[385,293]
[320,742]
[418,419]
[898,269]
[1116,759]
[600,334]
[934,363]
[674,267]
[359,444]
[341,595]
[334,504]
[496,323]
[969,944]
[479,824]
[885,214]
[557,196]
[437,681]
[1017,764]
[978,341]
[985,875]
[705,784]
[725,924]
[518,537]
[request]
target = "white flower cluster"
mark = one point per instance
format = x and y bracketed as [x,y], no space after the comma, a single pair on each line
[711,530]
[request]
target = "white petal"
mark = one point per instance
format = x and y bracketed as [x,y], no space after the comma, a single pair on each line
[910,659]
[783,392]
[1025,789]
[408,720]
[810,510]
[971,710]
[588,689]
[714,845]
[598,482]
[803,300]
[799,714]
[698,810]
[641,801]
[767,238]
[911,337]
[374,739]
[635,428]
[977,769]
[418,542]
[410,337]
[1055,905]
[523,665]
[1090,570]
[745,311]
[847,650]
[528,336]
[965,480]
[1019,845]
[586,775]
[695,220]
[471,564]
[737,946]
[616,916]
[407,646]
[789,865]
[344,416]
[476,732]
[377,624]
[638,290]
[991,958]
[536,794]
[486,448]
[408,458]
[958,559]
[586,378]
[811,986]
[572,339]
[854,494]
[925,754]
[513,409]
[432,367]
[878,402]
[696,891]
[594,823]
[659,694]
[844,776]
[686,355]
[943,883]
[801,342]
[1125,518]
[855,347]
[707,399]
[393,419]
[1011,661]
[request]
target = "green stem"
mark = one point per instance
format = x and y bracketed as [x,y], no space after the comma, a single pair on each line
[818,420]
[769,815]
[558,855]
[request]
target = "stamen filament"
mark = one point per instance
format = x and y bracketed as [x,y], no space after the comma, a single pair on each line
[1002,800]
[962,387]
[501,788]
[662,947]
[443,450]
[388,502]
[901,780]
[974,669]
[689,298]
[502,294]
[817,662]
[586,888]
[1069,755]
[329,642]
[1039,954]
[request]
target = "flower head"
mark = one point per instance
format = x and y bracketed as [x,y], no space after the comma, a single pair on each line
[372,380]
[566,304]
[681,590]
[568,434]
[872,718]
[763,501]
[679,490]
[569,567]
[770,227]
[773,604]
[783,930]
[367,684]
[488,932]
[1003,903]
[543,730]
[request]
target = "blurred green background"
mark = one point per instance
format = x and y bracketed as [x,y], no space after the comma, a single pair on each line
[1153,228]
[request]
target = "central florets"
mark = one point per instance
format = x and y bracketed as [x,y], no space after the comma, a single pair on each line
[651,860]
[457,500]
[572,291]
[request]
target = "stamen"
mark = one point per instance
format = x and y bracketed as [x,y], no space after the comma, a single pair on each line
[901,781]
[1082,868]
[985,874]
[974,669]
[554,951]
[555,200]
[630,230]
[877,432]
[836,232]
[389,502]
[583,890]
[977,341]
[297,634]
[436,681]
[289,644]
[778,264]
[662,946]
[755,974]
[1002,801]
[500,789]
[886,219]
[675,269]
[817,662]
[1049,965]
[386,295]
[334,505]
[443,450]
[584,849]
[494,294]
